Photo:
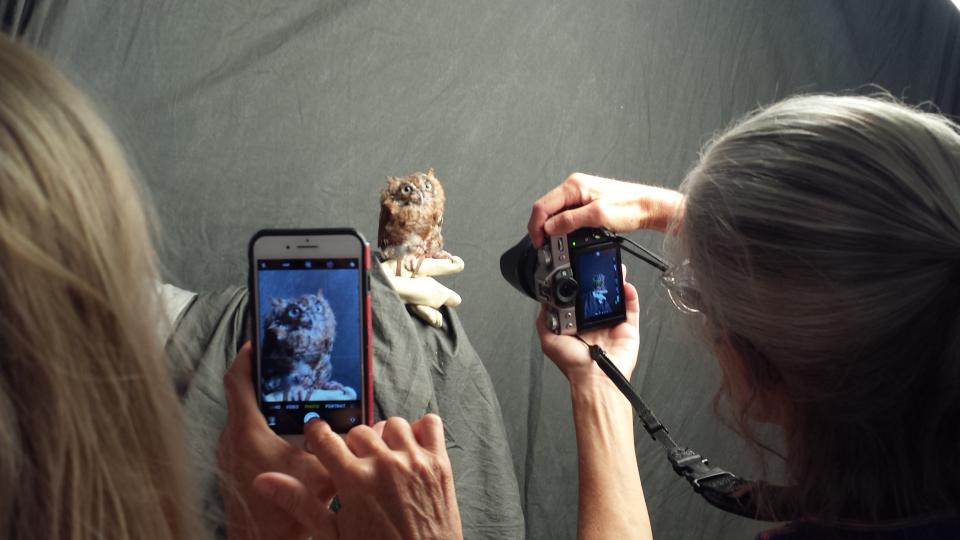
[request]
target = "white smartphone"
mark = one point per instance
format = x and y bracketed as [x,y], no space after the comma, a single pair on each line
[313,347]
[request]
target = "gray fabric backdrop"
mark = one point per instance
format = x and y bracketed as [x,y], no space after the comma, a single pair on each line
[243,114]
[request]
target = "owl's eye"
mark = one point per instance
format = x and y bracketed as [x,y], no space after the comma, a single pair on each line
[293,312]
[428,186]
[406,189]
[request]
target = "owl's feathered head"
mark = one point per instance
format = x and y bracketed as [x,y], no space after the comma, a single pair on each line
[419,189]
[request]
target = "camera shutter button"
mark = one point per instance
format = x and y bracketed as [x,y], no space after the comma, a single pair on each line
[545,257]
[554,322]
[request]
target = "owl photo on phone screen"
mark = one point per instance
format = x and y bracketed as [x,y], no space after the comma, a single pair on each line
[298,337]
[411,215]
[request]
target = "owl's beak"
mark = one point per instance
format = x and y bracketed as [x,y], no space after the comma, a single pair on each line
[417,197]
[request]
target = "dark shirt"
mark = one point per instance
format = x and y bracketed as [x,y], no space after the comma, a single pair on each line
[934,528]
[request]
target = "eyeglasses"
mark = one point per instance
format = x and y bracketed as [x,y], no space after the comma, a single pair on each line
[678,280]
[680,288]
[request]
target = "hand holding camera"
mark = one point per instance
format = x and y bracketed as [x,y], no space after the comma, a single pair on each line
[590,201]
[621,343]
[574,270]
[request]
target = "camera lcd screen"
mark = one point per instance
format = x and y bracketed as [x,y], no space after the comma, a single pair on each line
[600,301]
[310,331]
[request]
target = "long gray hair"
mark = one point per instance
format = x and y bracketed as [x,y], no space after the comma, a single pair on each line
[823,238]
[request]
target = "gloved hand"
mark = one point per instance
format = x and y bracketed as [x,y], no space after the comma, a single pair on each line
[422,293]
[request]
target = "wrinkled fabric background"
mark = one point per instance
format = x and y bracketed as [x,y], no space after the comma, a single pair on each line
[245,114]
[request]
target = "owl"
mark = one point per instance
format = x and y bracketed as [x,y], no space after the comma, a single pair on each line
[411,214]
[298,335]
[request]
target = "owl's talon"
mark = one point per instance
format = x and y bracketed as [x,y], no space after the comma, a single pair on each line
[410,265]
[419,264]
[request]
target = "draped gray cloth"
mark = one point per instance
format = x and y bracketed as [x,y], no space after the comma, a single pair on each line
[244,114]
[417,369]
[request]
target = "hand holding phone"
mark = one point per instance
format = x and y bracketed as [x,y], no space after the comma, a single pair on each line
[312,342]
[246,449]
[394,482]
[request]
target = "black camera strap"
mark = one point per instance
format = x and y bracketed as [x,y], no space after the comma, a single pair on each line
[719,487]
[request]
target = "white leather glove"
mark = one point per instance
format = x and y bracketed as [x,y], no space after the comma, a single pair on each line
[422,293]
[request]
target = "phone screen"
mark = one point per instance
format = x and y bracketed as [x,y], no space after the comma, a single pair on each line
[600,300]
[310,329]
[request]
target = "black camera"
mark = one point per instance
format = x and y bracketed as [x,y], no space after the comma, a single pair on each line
[577,276]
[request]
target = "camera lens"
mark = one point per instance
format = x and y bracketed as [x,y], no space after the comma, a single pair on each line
[565,290]
[518,266]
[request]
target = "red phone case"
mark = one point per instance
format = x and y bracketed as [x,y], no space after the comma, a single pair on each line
[367,402]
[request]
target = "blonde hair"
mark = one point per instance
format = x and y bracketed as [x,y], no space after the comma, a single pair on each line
[90,434]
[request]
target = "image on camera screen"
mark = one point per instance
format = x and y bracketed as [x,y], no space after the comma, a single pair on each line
[309,326]
[598,273]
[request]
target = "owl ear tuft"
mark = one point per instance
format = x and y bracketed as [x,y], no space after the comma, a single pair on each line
[319,293]
[430,173]
[391,180]
[277,302]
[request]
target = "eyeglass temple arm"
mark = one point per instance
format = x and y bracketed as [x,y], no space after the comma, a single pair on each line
[643,254]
